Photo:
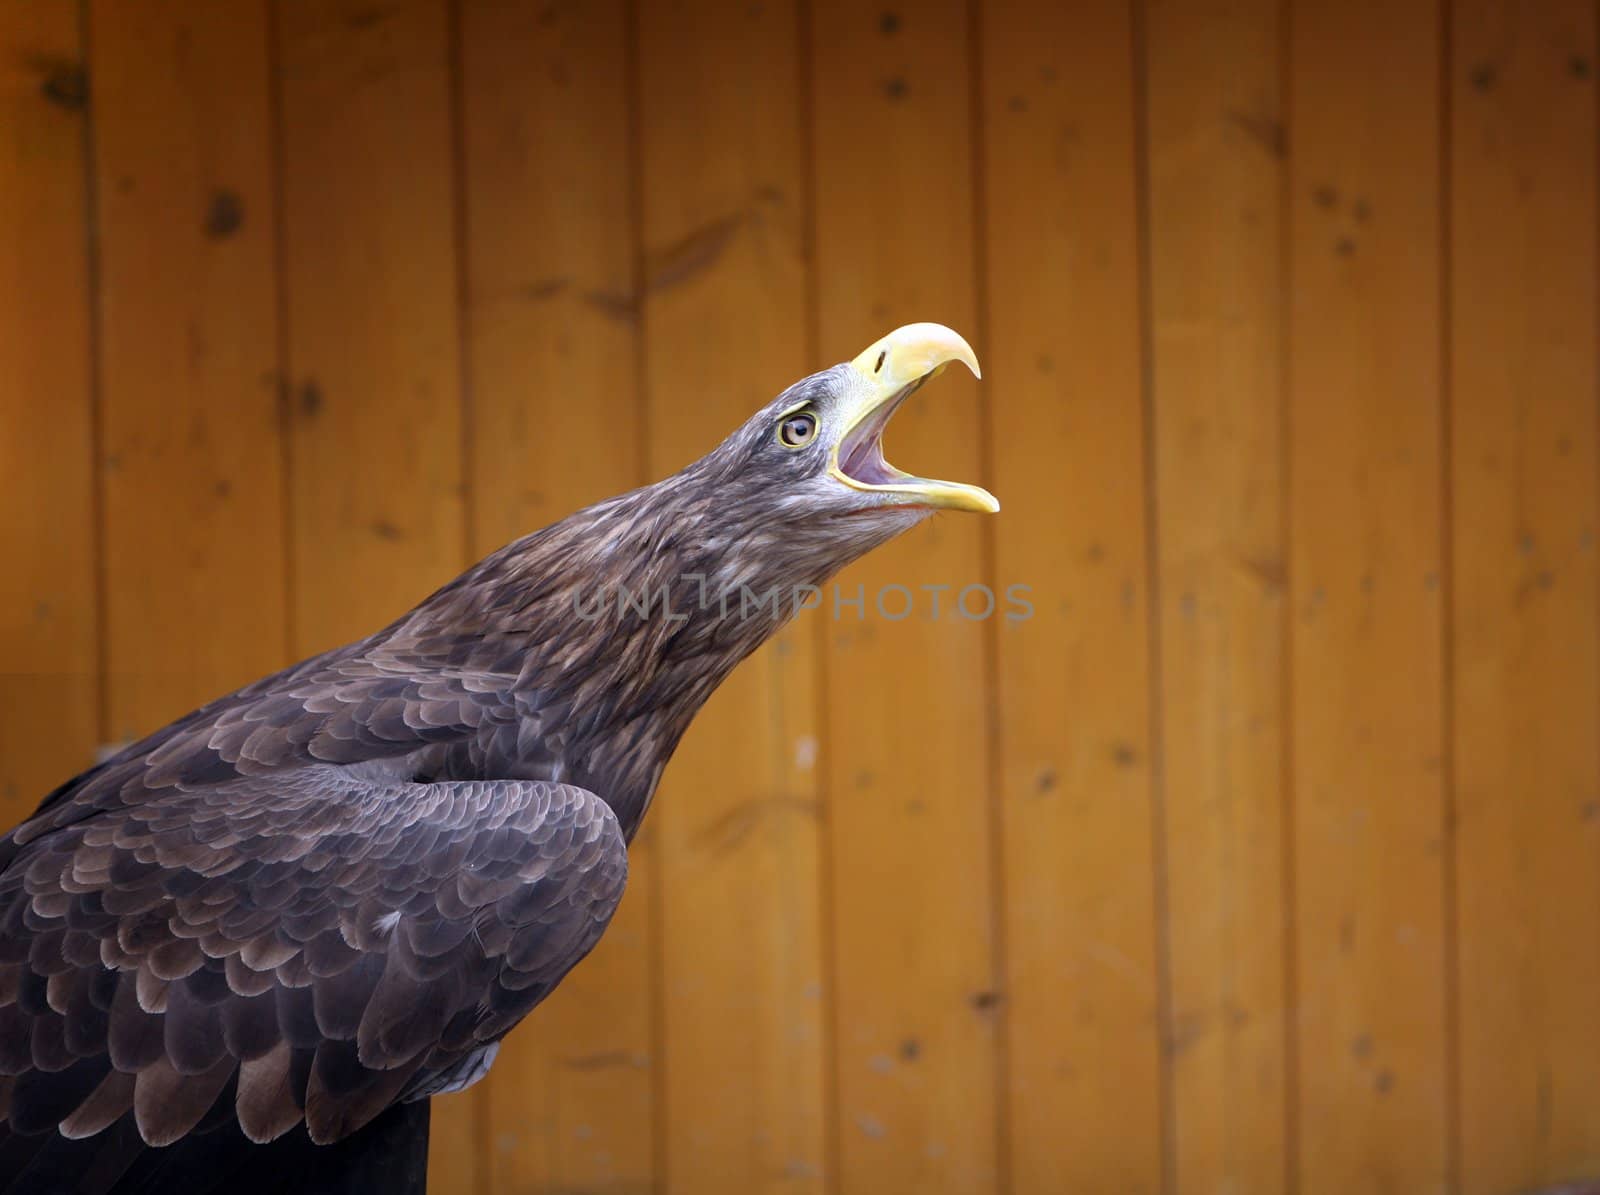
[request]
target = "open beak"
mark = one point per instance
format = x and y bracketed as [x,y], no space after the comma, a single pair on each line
[886,375]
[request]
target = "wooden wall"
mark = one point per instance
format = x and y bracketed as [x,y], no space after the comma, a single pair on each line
[1262,858]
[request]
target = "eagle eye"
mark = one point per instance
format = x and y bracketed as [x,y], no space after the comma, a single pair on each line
[797,430]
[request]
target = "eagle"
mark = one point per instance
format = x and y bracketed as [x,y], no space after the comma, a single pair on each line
[242,953]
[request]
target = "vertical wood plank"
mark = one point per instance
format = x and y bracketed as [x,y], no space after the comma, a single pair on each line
[1061,190]
[373,342]
[373,351]
[907,767]
[194,553]
[738,817]
[557,423]
[1216,171]
[1526,661]
[48,625]
[1366,696]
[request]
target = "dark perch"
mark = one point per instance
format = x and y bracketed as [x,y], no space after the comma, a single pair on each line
[390,1156]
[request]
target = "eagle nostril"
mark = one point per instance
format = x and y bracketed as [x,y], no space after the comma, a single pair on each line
[878,368]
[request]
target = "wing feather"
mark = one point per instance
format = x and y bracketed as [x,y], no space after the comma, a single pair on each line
[104,1105]
[168,1103]
[306,944]
[266,1108]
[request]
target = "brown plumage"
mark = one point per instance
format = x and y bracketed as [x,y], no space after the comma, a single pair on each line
[339,887]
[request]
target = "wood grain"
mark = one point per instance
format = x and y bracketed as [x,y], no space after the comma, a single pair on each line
[919,1004]
[49,687]
[557,422]
[1216,171]
[194,548]
[1527,664]
[1365,489]
[738,820]
[374,358]
[1083,982]
[374,365]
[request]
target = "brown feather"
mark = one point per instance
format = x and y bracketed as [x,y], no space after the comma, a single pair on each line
[135,1037]
[342,1095]
[166,1104]
[42,1099]
[151,990]
[265,1104]
[192,1032]
[176,959]
[49,1043]
[105,1104]
[267,952]
[250,1025]
[16,1040]
[246,981]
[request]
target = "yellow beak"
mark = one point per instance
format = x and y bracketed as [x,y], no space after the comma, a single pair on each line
[885,375]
